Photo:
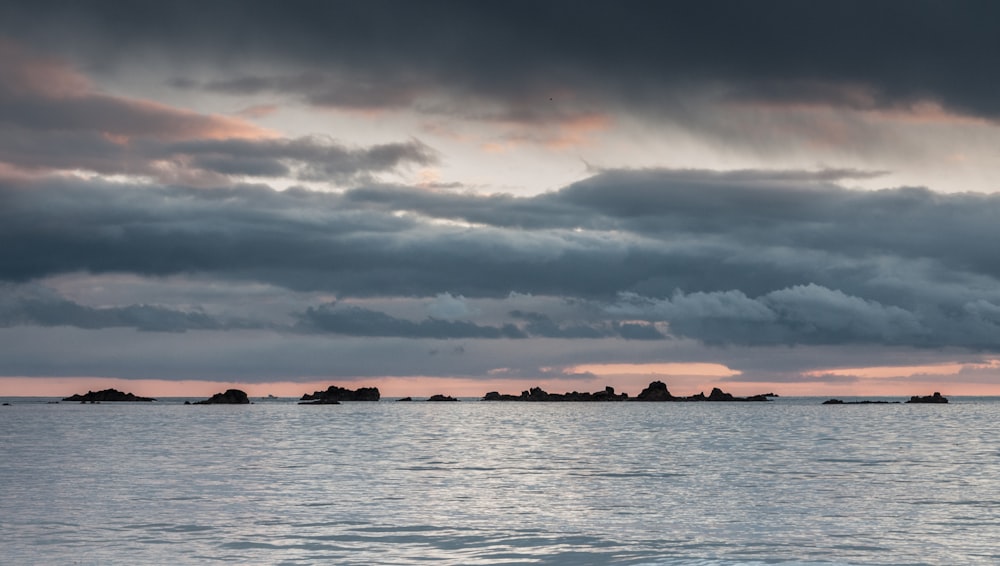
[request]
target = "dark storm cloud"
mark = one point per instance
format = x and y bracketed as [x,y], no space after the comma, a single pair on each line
[357,321]
[746,257]
[805,314]
[38,307]
[388,53]
[542,325]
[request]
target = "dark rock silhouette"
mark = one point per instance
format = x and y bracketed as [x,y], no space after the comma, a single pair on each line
[441,398]
[720,395]
[405,399]
[110,395]
[935,398]
[320,402]
[496,396]
[230,397]
[335,393]
[539,394]
[655,392]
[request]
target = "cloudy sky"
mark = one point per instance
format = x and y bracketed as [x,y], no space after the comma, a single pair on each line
[457,197]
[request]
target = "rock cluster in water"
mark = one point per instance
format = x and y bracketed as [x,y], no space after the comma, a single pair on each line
[108,395]
[935,398]
[441,398]
[334,395]
[230,397]
[655,392]
[539,394]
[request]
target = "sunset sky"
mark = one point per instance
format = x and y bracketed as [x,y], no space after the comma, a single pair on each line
[458,197]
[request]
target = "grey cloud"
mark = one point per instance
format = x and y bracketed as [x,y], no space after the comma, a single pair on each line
[539,324]
[351,320]
[757,257]
[308,158]
[634,331]
[542,325]
[38,307]
[807,314]
[741,220]
[357,321]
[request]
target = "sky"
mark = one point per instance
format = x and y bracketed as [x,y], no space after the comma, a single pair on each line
[459,197]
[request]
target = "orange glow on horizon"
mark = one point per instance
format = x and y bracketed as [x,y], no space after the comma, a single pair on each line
[688,369]
[419,387]
[878,372]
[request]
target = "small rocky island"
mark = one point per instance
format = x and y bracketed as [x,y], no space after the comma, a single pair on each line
[107,396]
[230,397]
[441,398]
[655,392]
[334,395]
[935,398]
[539,394]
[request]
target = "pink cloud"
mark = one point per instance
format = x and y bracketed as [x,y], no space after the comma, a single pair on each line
[47,94]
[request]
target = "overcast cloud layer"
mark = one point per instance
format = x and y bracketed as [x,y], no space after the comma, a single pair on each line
[339,177]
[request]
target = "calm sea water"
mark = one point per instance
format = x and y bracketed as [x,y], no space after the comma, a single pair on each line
[787,482]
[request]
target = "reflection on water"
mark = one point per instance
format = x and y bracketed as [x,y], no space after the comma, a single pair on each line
[501,483]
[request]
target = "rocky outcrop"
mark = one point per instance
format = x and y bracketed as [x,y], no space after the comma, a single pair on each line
[935,398]
[230,397]
[335,393]
[538,394]
[655,392]
[405,399]
[720,395]
[108,395]
[441,398]
[497,396]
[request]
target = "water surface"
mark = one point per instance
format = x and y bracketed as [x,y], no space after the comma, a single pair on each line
[786,482]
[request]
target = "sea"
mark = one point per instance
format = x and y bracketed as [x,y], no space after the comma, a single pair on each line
[789,481]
